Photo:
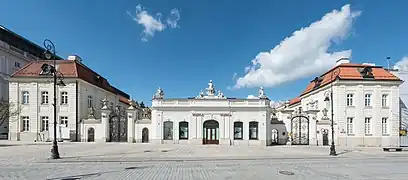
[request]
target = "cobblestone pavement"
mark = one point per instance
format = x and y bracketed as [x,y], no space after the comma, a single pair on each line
[132,161]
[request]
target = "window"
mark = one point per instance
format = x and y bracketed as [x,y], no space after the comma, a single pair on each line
[17,64]
[44,97]
[253,130]
[238,126]
[183,130]
[44,123]
[90,102]
[26,123]
[367,99]
[64,120]
[168,130]
[384,125]
[26,97]
[349,99]
[367,125]
[350,125]
[384,100]
[64,97]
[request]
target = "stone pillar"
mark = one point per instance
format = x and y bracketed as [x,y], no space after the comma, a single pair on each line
[105,112]
[312,126]
[131,119]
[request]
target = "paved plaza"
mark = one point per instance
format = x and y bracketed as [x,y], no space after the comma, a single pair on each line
[147,161]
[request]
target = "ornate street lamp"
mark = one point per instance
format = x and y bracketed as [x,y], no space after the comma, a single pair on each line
[48,69]
[329,98]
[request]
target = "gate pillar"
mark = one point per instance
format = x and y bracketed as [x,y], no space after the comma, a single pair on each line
[105,112]
[131,118]
[313,126]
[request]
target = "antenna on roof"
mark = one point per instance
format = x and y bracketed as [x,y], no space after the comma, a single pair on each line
[388,63]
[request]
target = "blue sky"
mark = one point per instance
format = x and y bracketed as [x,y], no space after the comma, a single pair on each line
[213,40]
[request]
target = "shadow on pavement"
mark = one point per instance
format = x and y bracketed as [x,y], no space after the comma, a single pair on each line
[94,175]
[344,152]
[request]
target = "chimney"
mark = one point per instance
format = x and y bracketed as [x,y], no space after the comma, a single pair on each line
[75,58]
[342,61]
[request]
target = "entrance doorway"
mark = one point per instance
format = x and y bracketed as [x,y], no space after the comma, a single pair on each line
[275,137]
[145,135]
[210,132]
[325,134]
[91,135]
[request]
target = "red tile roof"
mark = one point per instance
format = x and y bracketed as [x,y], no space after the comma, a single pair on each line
[294,101]
[69,69]
[349,71]
[123,99]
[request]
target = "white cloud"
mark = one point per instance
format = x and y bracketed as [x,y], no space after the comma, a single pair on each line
[402,64]
[152,24]
[303,54]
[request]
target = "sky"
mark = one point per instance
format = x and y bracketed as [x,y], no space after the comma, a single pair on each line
[179,45]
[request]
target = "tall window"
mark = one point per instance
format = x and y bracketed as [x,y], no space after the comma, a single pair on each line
[44,97]
[183,130]
[367,99]
[367,125]
[64,97]
[44,123]
[349,100]
[90,101]
[26,123]
[168,130]
[350,128]
[384,100]
[26,97]
[384,125]
[17,64]
[238,126]
[253,130]
[64,120]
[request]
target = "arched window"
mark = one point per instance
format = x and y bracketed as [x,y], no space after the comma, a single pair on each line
[238,126]
[183,130]
[168,130]
[253,130]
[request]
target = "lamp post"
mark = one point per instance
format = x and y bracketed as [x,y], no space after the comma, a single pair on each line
[329,97]
[48,69]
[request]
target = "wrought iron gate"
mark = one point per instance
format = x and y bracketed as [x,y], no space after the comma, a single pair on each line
[117,129]
[300,128]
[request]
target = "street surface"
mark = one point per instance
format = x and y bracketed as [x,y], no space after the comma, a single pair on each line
[146,161]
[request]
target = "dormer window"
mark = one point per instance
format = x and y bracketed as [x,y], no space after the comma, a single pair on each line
[317,81]
[366,72]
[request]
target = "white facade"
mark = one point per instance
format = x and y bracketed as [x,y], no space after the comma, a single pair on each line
[11,60]
[366,113]
[80,94]
[211,119]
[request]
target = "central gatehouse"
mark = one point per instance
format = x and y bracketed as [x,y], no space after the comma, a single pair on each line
[211,118]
